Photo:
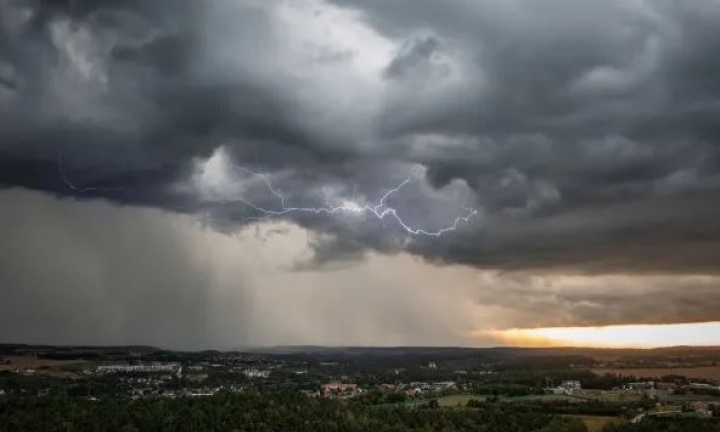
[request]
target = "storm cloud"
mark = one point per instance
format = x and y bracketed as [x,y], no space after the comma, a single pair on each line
[584,133]
[581,131]
[87,272]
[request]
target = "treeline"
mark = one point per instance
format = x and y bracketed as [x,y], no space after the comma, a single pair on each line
[264,413]
[542,363]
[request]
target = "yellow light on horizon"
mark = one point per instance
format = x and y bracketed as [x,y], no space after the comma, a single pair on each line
[620,336]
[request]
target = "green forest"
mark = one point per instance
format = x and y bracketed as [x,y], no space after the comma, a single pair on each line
[291,411]
[264,413]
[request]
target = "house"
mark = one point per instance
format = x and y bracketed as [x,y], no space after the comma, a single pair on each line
[445,385]
[644,385]
[340,390]
[256,373]
[570,386]
[702,409]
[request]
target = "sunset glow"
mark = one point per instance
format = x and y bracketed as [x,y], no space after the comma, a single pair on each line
[623,336]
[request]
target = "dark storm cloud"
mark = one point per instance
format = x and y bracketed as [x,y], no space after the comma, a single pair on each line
[586,132]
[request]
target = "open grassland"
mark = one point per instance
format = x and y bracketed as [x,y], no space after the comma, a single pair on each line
[702,372]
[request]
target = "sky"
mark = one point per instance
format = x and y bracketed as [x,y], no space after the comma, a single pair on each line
[234,173]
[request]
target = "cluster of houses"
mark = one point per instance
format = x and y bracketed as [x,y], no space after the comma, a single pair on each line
[338,390]
[419,388]
[140,368]
[574,387]
[705,409]
[567,387]
[253,373]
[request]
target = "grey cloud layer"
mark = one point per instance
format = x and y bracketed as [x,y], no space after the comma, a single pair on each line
[586,131]
[93,273]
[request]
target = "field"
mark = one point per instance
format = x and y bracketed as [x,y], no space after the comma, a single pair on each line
[455,400]
[614,397]
[594,423]
[704,372]
[462,399]
[546,398]
[23,363]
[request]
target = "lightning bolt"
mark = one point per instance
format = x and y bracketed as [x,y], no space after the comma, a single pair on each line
[72,186]
[379,210]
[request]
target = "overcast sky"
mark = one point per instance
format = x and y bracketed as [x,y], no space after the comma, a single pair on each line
[153,155]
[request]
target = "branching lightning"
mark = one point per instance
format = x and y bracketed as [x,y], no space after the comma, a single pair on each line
[72,186]
[380,210]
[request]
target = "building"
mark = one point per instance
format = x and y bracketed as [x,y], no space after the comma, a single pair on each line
[148,368]
[256,373]
[703,386]
[444,386]
[644,385]
[566,387]
[571,385]
[339,390]
[702,409]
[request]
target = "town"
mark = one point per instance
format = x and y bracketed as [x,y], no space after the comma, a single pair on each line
[598,390]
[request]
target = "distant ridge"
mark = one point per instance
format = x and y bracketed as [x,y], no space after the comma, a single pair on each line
[371,350]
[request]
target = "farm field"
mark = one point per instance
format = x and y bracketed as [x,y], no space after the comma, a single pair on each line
[455,400]
[463,399]
[546,398]
[614,397]
[595,423]
[635,397]
[23,363]
[704,372]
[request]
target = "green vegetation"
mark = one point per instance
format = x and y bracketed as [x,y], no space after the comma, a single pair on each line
[398,389]
[660,425]
[268,412]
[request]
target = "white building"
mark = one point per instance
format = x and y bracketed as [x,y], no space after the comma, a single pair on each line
[567,387]
[256,373]
[152,368]
[571,385]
